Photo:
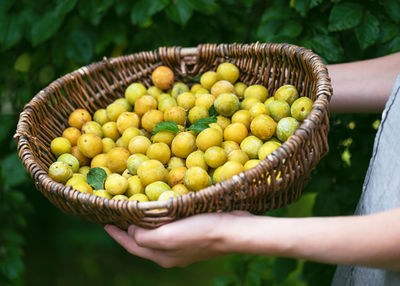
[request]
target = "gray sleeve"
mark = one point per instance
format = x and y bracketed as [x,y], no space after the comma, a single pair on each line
[381,191]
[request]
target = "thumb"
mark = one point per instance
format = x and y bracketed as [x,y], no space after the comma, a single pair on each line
[241,213]
[131,230]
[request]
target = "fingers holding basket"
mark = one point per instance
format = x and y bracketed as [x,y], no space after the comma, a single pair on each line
[127,242]
[179,243]
[163,258]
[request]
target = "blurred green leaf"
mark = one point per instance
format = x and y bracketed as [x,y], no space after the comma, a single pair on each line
[392,7]
[282,212]
[11,267]
[14,251]
[12,171]
[123,7]
[290,29]
[206,6]
[320,182]
[44,28]
[275,24]
[22,63]
[24,95]
[94,10]
[7,124]
[317,274]
[16,197]
[367,32]
[327,47]
[345,16]
[47,25]
[326,204]
[116,33]
[302,6]
[64,6]
[252,279]
[58,47]
[388,31]
[248,3]
[314,3]
[79,47]
[393,46]
[11,30]
[266,32]
[237,264]
[283,267]
[5,6]
[302,207]
[225,280]
[180,11]
[143,10]
[275,13]
[11,237]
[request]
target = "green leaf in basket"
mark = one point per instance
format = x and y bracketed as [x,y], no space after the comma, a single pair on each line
[166,126]
[96,177]
[212,111]
[202,123]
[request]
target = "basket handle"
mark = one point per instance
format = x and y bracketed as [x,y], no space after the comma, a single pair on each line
[185,52]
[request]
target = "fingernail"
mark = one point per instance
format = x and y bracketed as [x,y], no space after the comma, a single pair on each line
[131,230]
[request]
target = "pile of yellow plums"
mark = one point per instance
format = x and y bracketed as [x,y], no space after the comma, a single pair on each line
[171,139]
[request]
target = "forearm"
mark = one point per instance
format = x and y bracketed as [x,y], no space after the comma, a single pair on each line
[372,241]
[363,86]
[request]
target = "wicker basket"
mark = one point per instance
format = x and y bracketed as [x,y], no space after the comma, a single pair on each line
[256,190]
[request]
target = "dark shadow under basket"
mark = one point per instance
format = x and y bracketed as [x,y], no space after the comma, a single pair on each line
[275,182]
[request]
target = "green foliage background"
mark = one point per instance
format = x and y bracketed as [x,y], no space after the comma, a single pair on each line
[42,40]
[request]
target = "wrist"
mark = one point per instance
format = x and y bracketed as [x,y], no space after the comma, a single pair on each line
[258,235]
[222,232]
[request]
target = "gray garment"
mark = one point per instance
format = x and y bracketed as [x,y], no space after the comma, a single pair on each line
[381,191]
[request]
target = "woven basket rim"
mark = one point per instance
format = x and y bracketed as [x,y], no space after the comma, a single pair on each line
[23,136]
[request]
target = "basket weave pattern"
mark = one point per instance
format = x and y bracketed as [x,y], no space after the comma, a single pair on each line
[275,182]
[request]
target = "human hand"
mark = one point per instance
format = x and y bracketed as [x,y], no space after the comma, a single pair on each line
[178,243]
[370,241]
